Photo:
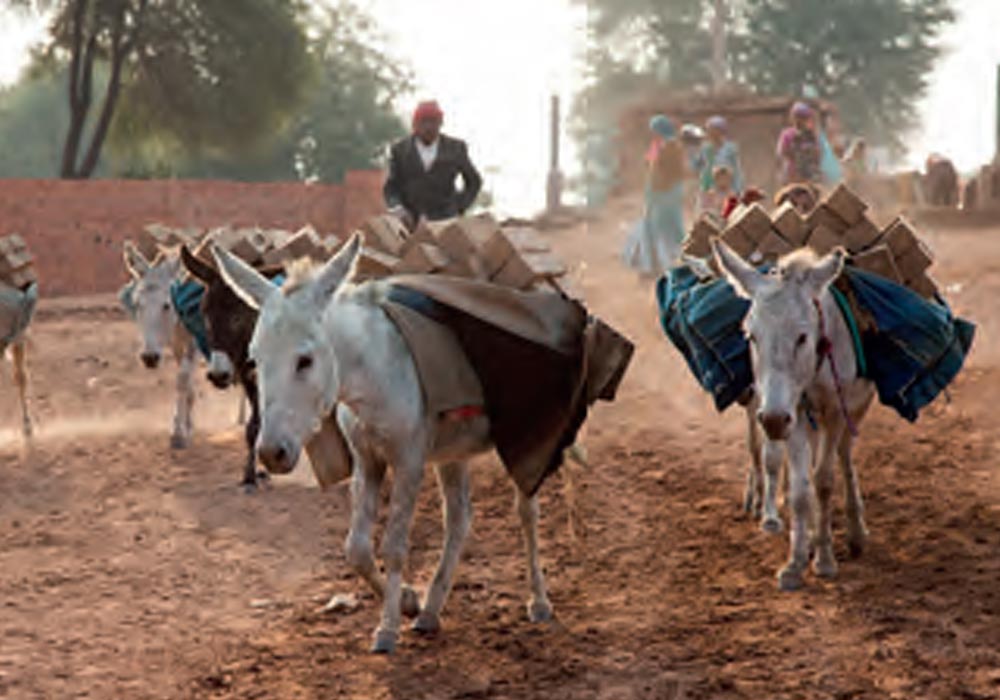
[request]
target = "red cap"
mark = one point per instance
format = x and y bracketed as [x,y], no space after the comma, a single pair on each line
[427,110]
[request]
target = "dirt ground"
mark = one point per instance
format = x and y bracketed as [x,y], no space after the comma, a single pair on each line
[128,570]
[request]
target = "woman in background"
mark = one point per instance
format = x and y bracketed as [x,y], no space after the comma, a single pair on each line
[654,244]
[718,150]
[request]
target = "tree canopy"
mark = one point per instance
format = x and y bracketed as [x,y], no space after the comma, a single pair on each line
[255,90]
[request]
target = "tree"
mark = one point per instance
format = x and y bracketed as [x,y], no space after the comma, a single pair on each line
[207,74]
[871,57]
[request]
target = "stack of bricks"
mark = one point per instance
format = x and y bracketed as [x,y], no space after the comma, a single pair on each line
[475,247]
[840,219]
[17,265]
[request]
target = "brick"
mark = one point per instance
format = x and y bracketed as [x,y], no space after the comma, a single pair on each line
[506,243]
[914,262]
[698,241]
[773,247]
[924,285]
[899,236]
[424,258]
[787,221]
[823,240]
[525,269]
[737,239]
[879,260]
[754,221]
[384,232]
[373,264]
[863,234]
[822,215]
[843,202]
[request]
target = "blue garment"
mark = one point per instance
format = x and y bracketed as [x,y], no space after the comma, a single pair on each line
[913,349]
[654,245]
[829,164]
[19,307]
[186,298]
[710,157]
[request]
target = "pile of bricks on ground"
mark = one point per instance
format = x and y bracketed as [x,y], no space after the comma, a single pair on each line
[840,219]
[17,265]
[476,247]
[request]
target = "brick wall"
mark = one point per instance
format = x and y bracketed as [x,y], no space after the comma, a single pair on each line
[76,228]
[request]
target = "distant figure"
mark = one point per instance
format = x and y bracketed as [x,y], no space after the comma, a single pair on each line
[799,150]
[654,244]
[692,138]
[856,161]
[714,200]
[423,168]
[940,182]
[718,150]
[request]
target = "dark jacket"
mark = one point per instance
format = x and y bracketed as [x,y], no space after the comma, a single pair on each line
[431,193]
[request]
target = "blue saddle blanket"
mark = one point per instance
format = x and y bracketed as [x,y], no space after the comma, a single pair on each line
[913,348]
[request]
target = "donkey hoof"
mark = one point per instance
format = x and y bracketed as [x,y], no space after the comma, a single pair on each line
[855,546]
[539,611]
[385,641]
[426,624]
[825,566]
[409,602]
[790,578]
[263,475]
[178,442]
[249,487]
[772,526]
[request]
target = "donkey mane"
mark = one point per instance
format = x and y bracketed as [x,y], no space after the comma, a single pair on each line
[298,274]
[797,264]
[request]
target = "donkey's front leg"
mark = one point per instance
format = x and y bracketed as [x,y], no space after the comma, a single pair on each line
[799,458]
[539,608]
[185,355]
[19,356]
[453,480]
[250,430]
[774,455]
[409,468]
[754,495]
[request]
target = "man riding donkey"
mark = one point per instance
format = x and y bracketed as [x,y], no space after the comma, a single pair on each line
[423,168]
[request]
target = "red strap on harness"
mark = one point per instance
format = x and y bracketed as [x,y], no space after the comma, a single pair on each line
[463,413]
[824,349]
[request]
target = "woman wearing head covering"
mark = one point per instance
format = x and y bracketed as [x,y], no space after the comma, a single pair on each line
[718,150]
[799,150]
[654,244]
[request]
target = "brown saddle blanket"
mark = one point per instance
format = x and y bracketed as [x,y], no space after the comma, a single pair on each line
[533,361]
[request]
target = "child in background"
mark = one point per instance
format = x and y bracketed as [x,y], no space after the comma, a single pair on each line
[713,200]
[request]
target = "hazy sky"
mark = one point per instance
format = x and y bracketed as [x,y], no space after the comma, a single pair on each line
[493,65]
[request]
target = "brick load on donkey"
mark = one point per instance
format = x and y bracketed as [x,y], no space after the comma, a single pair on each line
[909,347]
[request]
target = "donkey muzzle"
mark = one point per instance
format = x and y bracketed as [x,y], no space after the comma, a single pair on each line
[279,457]
[776,424]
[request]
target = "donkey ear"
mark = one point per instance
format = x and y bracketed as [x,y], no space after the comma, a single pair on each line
[337,269]
[248,284]
[135,262]
[826,270]
[741,274]
[201,270]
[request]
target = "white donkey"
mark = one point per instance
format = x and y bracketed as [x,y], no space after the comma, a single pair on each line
[805,370]
[323,340]
[160,327]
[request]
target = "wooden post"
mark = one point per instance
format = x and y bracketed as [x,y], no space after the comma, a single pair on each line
[553,193]
[719,45]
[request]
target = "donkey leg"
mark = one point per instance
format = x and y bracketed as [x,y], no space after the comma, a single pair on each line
[774,455]
[366,481]
[181,436]
[251,429]
[799,458]
[825,563]
[857,533]
[19,357]
[453,480]
[753,497]
[539,607]
[402,502]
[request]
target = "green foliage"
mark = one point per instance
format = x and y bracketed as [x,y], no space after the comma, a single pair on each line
[871,57]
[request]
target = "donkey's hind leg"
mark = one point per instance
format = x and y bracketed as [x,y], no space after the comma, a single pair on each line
[453,480]
[539,607]
[184,351]
[857,533]
[250,473]
[19,357]
[753,497]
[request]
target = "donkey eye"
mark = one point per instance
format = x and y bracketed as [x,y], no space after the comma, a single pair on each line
[303,363]
[166,306]
[752,338]
[801,340]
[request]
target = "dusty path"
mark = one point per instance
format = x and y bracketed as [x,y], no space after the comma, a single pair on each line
[130,571]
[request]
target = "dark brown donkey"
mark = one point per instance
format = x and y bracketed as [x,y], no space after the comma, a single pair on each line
[229,325]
